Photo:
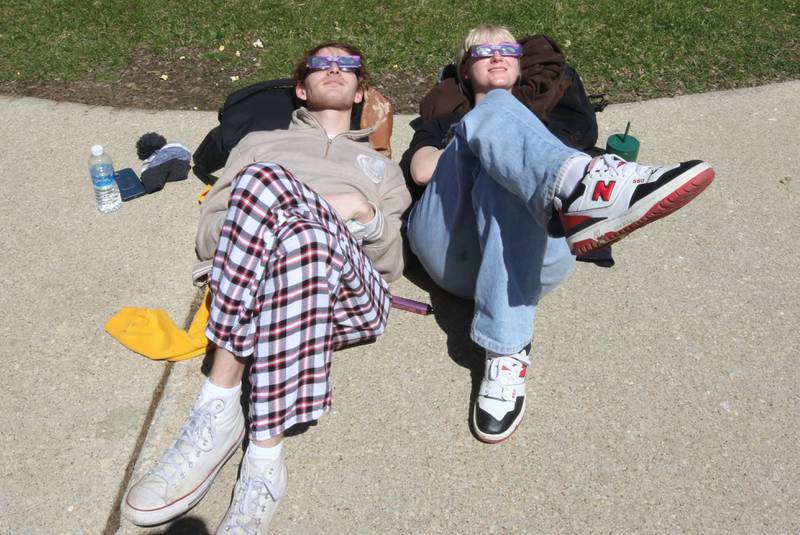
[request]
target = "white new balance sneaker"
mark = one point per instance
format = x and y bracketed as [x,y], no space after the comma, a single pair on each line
[500,404]
[258,491]
[183,474]
[616,197]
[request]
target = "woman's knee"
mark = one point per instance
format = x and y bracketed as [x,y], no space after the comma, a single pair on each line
[558,264]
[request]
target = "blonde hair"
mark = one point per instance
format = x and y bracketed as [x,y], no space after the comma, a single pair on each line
[476,36]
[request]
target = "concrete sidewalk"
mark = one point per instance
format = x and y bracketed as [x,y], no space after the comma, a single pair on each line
[664,398]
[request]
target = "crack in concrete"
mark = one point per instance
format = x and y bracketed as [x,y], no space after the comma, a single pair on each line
[114,519]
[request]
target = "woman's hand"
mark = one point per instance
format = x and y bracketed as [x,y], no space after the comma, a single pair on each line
[351,206]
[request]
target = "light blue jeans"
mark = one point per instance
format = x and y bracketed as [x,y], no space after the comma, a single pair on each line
[480,227]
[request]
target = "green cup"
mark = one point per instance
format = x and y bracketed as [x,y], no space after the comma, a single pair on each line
[623,145]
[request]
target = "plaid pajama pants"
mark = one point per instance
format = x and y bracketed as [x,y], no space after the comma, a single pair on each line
[289,285]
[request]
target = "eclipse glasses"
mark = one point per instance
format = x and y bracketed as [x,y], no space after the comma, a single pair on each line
[345,63]
[513,50]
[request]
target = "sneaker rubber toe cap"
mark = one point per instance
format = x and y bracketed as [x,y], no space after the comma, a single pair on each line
[145,507]
[144,499]
[490,428]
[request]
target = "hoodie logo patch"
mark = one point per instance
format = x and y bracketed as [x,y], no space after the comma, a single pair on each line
[374,168]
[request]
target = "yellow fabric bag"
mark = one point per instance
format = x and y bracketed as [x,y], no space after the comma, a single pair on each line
[152,333]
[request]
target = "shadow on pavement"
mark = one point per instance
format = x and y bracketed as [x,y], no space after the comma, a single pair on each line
[186,525]
[454,317]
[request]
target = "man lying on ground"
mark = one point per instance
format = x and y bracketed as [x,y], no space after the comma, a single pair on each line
[303,227]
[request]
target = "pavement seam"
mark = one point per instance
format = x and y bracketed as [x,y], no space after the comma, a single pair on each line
[114,521]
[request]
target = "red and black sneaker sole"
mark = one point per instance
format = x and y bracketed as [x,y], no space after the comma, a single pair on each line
[665,206]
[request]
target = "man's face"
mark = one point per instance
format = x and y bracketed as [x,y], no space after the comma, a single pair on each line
[495,72]
[331,88]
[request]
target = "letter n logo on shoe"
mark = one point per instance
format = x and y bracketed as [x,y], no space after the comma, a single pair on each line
[602,190]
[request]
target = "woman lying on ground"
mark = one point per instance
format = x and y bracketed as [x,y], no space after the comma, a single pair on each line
[491,185]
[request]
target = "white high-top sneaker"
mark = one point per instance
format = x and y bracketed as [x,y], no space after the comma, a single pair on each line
[183,474]
[616,197]
[261,485]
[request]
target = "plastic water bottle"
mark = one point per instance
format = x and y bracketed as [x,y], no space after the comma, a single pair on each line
[106,191]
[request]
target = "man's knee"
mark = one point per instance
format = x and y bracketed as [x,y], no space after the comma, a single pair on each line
[269,175]
[309,240]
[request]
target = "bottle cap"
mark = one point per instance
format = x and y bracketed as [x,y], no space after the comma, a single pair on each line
[97,150]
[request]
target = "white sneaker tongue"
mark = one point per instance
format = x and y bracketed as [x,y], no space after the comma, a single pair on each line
[595,163]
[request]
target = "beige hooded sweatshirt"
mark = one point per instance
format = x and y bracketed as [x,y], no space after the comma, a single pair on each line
[327,166]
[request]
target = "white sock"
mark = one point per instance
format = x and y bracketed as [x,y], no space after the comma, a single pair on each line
[211,391]
[570,174]
[263,453]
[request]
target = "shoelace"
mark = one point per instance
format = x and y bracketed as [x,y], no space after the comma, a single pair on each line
[189,442]
[614,165]
[251,502]
[503,374]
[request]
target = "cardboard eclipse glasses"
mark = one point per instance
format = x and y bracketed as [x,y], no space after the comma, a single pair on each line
[513,50]
[345,63]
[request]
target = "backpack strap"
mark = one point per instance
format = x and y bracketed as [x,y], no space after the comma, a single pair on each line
[209,156]
[378,114]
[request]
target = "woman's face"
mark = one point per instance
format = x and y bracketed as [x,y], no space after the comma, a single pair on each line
[495,72]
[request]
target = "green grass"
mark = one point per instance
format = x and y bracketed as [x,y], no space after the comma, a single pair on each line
[630,50]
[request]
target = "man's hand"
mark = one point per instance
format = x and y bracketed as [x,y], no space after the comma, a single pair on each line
[351,206]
